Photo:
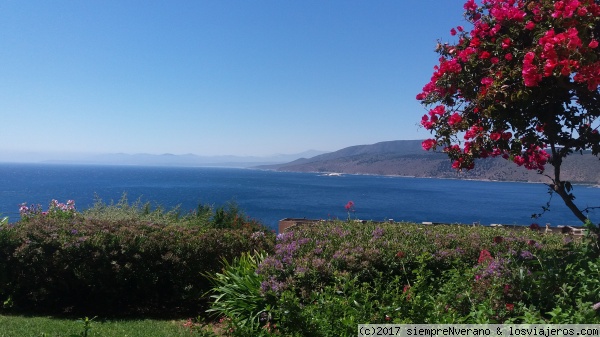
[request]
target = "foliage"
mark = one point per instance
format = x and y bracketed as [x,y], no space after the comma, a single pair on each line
[123,210]
[230,216]
[522,82]
[236,293]
[206,216]
[325,279]
[55,210]
[96,262]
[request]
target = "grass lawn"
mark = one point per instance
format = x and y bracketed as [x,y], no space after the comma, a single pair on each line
[26,326]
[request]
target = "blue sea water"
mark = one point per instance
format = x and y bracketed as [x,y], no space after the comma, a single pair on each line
[270,196]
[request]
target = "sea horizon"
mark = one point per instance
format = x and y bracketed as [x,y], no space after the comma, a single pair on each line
[270,196]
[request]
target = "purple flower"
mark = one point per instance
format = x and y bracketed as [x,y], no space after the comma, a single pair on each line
[377,233]
[339,232]
[526,255]
[318,263]
[272,285]
[269,263]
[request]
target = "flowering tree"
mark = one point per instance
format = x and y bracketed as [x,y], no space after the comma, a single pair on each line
[523,84]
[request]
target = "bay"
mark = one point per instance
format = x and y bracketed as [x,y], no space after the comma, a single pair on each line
[270,196]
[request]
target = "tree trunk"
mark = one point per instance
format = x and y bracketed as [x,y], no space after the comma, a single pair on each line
[560,187]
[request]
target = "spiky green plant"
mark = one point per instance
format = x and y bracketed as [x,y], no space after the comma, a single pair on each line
[236,292]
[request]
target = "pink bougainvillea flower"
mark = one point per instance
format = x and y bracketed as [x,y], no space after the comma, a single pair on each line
[519,160]
[487,81]
[593,44]
[438,110]
[529,25]
[454,119]
[470,5]
[427,144]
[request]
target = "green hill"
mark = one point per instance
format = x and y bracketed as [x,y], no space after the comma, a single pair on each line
[407,158]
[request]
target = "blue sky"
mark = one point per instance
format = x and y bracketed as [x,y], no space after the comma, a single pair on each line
[215,77]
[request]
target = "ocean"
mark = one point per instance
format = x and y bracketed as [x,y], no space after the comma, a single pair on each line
[270,196]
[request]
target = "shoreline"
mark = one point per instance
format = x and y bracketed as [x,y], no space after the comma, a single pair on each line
[341,174]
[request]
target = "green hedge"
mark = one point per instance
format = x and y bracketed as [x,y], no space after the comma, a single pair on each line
[81,263]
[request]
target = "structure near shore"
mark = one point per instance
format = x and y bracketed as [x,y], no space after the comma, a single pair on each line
[285,224]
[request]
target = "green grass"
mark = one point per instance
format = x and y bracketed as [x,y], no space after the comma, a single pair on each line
[27,326]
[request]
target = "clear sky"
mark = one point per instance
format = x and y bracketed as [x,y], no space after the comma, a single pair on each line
[215,77]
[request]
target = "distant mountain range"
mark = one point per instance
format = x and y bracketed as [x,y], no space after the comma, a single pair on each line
[167,159]
[407,158]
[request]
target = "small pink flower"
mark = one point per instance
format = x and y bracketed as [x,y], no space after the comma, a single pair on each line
[593,44]
[470,5]
[454,119]
[487,81]
[529,25]
[427,144]
[484,256]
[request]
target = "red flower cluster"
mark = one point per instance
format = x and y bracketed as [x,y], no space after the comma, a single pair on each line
[427,144]
[484,256]
[484,82]
[531,77]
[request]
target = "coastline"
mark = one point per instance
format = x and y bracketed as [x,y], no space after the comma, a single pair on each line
[340,174]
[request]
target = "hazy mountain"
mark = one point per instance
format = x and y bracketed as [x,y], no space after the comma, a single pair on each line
[407,158]
[167,159]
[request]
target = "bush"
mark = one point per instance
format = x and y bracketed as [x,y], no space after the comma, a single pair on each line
[236,293]
[406,273]
[115,258]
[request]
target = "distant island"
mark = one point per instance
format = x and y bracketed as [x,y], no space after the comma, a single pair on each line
[145,159]
[408,159]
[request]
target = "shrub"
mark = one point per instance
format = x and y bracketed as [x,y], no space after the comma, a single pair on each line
[116,260]
[236,293]
[426,274]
